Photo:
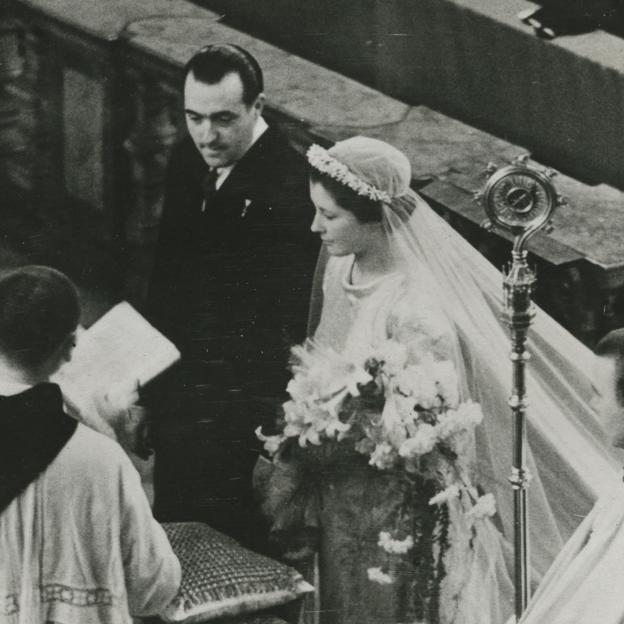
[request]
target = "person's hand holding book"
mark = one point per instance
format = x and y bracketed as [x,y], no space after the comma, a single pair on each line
[113,405]
[113,359]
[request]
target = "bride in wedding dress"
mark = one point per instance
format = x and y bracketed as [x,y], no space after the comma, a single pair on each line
[396,546]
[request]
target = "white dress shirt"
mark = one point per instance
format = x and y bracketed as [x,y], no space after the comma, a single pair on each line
[223,172]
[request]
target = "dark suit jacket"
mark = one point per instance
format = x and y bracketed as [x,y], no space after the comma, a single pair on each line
[231,288]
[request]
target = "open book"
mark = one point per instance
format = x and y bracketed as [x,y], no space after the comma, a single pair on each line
[119,351]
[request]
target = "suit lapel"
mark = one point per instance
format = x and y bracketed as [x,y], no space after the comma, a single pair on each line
[251,175]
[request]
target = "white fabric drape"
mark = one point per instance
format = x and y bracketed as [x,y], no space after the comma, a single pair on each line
[570,459]
[571,462]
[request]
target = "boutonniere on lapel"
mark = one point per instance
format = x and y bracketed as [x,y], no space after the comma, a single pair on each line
[248,203]
[246,208]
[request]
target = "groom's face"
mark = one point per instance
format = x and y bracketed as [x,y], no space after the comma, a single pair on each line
[219,121]
[606,401]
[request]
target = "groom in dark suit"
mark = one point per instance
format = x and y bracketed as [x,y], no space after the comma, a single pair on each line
[230,287]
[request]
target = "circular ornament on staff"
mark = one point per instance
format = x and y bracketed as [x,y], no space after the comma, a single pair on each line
[520,199]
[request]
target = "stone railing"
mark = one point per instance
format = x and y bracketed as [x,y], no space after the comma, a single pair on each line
[473,59]
[90,106]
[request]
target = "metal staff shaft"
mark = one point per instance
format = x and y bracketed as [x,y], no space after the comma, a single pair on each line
[518,314]
[519,199]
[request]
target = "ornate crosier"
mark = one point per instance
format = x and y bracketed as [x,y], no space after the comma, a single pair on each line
[522,200]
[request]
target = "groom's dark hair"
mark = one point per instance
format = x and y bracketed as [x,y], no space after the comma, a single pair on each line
[213,62]
[612,346]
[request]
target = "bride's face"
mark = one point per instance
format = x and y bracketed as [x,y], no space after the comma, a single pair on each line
[339,229]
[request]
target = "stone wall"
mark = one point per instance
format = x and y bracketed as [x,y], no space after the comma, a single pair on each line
[90,106]
[472,59]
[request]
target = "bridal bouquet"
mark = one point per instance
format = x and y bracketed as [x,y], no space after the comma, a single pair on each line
[398,414]
[403,417]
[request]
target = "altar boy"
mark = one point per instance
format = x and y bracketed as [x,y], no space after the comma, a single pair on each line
[77,539]
[585,584]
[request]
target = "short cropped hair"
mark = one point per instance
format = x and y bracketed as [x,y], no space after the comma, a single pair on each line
[213,62]
[366,210]
[39,309]
[612,346]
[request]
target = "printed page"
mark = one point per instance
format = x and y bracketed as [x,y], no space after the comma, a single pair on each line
[117,352]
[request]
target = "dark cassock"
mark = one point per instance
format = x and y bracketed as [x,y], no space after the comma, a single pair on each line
[230,286]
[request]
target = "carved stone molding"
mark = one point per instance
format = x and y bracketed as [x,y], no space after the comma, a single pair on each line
[20,73]
[155,129]
[11,67]
[11,64]
[31,99]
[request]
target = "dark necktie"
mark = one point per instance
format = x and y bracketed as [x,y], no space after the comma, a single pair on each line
[209,188]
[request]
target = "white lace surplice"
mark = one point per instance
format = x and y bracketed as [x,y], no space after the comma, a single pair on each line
[80,545]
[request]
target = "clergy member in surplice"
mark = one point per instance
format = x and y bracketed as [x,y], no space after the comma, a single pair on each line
[230,287]
[78,542]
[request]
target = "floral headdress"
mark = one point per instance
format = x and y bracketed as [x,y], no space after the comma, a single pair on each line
[323,161]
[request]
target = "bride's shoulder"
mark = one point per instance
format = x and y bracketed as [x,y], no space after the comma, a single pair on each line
[413,305]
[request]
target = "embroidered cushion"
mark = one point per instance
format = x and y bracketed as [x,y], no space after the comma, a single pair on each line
[222,578]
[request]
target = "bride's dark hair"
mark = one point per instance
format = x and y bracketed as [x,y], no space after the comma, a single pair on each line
[365,210]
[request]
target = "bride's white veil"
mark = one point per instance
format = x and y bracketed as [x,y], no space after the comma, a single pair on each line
[570,460]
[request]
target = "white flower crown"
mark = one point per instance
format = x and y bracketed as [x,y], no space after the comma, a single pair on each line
[322,160]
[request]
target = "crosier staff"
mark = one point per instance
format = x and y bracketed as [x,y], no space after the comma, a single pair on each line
[519,199]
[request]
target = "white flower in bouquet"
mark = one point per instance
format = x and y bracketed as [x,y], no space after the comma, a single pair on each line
[311,423]
[316,384]
[393,354]
[483,508]
[332,405]
[377,575]
[417,383]
[357,376]
[335,428]
[300,387]
[295,418]
[393,546]
[301,423]
[311,435]
[319,373]
[383,456]
[465,418]
[446,495]
[392,423]
[421,443]
[272,443]
[406,408]
[470,412]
